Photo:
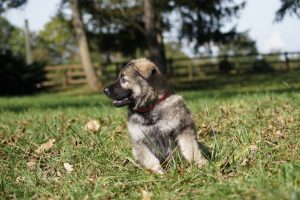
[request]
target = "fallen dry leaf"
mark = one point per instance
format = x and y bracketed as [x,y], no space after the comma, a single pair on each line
[253,149]
[92,125]
[146,195]
[245,162]
[58,174]
[281,121]
[68,167]
[279,133]
[31,163]
[45,147]
[119,129]
[12,141]
[20,179]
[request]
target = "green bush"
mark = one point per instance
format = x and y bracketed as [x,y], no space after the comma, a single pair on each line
[225,66]
[18,78]
[262,66]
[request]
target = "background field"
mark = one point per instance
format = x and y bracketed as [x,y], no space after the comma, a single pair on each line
[251,125]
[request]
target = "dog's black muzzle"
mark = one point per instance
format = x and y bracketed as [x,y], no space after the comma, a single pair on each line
[120,96]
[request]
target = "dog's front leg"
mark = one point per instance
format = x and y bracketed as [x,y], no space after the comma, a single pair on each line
[146,158]
[189,147]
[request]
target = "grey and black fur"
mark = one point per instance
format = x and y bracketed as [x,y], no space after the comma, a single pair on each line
[154,134]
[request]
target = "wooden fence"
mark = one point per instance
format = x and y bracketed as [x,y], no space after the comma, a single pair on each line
[64,75]
[179,68]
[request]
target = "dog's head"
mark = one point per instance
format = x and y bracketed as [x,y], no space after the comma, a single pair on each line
[139,82]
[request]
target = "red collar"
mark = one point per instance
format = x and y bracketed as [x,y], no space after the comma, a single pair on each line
[151,106]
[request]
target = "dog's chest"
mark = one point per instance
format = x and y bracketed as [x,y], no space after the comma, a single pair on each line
[151,128]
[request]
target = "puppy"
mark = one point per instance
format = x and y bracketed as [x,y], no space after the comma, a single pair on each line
[158,120]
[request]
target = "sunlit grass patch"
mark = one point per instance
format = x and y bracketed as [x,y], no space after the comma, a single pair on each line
[253,137]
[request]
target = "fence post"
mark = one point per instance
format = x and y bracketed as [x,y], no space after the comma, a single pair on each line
[170,70]
[237,66]
[65,79]
[190,72]
[287,61]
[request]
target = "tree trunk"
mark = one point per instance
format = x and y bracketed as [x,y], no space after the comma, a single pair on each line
[161,46]
[92,78]
[29,59]
[155,46]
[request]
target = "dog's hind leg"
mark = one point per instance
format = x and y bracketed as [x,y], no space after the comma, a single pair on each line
[189,147]
[146,158]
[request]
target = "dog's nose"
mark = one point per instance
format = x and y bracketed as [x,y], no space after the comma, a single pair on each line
[106,91]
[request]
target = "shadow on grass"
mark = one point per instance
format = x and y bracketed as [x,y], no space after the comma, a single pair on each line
[228,86]
[52,106]
[53,102]
[232,94]
[219,82]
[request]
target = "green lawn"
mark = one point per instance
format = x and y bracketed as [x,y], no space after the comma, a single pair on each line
[252,127]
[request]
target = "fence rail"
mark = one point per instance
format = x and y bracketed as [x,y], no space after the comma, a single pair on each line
[180,68]
[64,75]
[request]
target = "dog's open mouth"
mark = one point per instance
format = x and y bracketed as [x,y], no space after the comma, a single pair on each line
[122,102]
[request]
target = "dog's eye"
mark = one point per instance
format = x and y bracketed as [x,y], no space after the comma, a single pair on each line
[123,80]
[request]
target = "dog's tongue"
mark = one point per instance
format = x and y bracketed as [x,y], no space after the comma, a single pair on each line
[121,102]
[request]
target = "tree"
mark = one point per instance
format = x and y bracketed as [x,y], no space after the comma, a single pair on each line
[11,38]
[202,21]
[243,47]
[155,47]
[115,25]
[7,4]
[57,39]
[291,7]
[173,51]
[240,44]
[93,80]
[16,77]
[143,22]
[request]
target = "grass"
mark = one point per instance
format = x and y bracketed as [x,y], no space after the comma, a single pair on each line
[252,128]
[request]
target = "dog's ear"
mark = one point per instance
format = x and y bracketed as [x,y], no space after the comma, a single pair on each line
[145,68]
[146,71]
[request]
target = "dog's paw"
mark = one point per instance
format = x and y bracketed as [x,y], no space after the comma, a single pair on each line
[158,170]
[202,163]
